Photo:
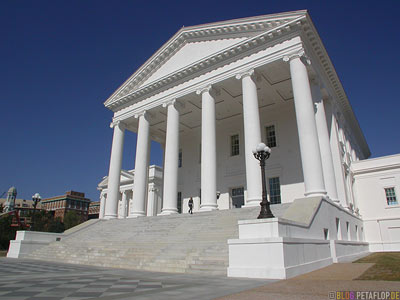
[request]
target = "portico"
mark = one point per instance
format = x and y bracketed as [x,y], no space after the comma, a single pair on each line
[245,81]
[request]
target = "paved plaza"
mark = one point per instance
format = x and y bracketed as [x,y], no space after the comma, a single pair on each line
[24,279]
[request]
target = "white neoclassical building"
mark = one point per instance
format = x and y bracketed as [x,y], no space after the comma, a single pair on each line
[210,95]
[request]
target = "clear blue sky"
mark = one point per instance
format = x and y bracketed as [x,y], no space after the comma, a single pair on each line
[60,60]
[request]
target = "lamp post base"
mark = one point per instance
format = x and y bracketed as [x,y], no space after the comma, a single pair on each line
[265,212]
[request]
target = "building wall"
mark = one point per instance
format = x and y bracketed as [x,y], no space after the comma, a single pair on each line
[284,161]
[381,220]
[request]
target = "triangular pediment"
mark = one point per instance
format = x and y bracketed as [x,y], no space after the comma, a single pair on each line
[191,52]
[198,43]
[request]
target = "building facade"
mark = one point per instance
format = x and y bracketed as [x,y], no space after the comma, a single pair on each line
[376,190]
[71,201]
[211,94]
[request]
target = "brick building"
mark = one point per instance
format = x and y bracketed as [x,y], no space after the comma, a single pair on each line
[71,201]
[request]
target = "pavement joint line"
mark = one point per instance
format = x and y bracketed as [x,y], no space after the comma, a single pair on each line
[152,291]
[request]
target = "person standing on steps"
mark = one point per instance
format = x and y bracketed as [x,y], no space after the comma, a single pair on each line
[190,206]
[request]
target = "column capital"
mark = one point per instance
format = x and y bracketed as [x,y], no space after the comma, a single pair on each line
[244,74]
[298,54]
[169,102]
[204,89]
[144,114]
[121,124]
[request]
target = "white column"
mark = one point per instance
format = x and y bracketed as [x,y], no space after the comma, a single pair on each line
[171,160]
[151,202]
[308,136]
[324,142]
[252,137]
[111,207]
[337,157]
[141,168]
[103,199]
[208,151]
[123,205]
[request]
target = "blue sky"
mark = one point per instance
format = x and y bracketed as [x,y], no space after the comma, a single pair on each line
[60,60]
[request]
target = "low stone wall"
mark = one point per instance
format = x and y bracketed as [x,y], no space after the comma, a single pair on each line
[313,233]
[28,241]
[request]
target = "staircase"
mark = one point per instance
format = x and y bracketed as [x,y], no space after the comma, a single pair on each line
[180,243]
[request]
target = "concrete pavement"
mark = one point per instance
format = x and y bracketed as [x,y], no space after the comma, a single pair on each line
[320,284]
[23,279]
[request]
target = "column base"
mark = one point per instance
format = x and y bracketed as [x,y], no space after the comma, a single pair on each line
[109,217]
[168,211]
[208,207]
[136,214]
[252,202]
[316,193]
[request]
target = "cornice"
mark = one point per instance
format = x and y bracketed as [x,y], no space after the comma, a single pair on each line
[184,35]
[327,71]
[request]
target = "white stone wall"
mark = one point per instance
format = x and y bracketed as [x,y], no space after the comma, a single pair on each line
[381,221]
[284,162]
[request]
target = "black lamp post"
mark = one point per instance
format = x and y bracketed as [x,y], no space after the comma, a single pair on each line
[262,153]
[36,199]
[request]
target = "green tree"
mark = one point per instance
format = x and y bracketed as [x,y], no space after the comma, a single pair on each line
[56,225]
[7,232]
[1,208]
[71,219]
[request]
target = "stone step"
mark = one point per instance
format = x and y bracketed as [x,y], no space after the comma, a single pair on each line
[177,243]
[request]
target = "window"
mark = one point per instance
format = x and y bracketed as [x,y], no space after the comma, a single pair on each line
[326,234]
[270,136]
[391,196]
[237,197]
[234,145]
[179,202]
[274,190]
[180,159]
[338,230]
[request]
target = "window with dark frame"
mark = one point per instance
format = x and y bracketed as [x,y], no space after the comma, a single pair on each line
[180,159]
[234,145]
[274,190]
[179,202]
[391,198]
[270,136]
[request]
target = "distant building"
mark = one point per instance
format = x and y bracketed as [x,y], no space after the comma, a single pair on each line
[22,204]
[71,201]
[94,210]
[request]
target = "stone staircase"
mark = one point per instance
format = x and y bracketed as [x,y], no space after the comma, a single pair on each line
[178,243]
